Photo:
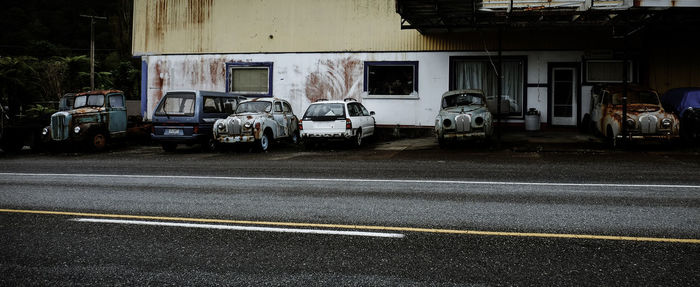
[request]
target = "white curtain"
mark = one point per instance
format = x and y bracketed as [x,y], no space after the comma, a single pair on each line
[479,74]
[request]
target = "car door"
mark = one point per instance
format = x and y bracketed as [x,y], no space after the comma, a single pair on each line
[597,111]
[291,118]
[117,114]
[368,122]
[356,115]
[280,119]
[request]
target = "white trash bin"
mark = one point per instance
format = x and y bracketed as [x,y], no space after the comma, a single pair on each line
[532,120]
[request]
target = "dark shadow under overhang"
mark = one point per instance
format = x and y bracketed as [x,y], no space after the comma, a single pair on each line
[617,18]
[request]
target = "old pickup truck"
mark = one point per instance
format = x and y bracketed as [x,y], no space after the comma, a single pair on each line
[92,118]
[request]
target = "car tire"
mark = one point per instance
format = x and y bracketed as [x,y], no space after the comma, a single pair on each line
[98,141]
[610,139]
[169,147]
[585,124]
[357,140]
[263,144]
[211,145]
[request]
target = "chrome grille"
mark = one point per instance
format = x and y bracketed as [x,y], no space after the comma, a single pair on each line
[648,124]
[59,126]
[463,123]
[234,126]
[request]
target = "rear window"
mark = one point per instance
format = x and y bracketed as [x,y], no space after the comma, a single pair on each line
[325,112]
[176,104]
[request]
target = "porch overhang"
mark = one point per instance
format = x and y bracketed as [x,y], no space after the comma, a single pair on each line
[620,17]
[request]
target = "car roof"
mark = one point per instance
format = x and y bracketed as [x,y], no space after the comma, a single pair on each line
[329,102]
[465,91]
[263,100]
[100,92]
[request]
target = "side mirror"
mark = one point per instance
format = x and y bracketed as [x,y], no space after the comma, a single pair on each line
[228,107]
[371,113]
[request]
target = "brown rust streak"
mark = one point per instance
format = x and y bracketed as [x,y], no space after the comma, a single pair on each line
[334,80]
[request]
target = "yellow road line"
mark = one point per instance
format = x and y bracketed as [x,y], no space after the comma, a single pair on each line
[364,227]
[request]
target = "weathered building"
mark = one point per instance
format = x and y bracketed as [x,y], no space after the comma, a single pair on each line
[399,56]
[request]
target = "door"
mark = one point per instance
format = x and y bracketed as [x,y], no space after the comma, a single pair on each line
[280,118]
[117,115]
[564,99]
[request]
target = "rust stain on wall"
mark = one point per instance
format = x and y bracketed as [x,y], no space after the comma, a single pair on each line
[170,17]
[335,80]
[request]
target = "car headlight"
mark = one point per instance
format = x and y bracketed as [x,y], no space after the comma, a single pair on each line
[220,126]
[446,123]
[45,131]
[631,123]
[666,123]
[247,125]
[76,130]
[479,121]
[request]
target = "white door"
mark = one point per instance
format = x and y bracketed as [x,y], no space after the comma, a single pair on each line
[564,96]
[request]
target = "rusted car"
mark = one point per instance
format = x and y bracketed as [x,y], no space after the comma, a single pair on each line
[259,121]
[646,118]
[685,104]
[463,114]
[94,118]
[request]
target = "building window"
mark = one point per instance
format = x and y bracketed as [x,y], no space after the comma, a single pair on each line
[607,71]
[250,79]
[391,79]
[479,73]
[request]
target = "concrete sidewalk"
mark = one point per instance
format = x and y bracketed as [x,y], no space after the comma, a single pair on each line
[515,140]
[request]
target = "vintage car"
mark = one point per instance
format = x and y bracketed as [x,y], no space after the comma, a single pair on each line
[94,118]
[259,121]
[463,115]
[188,116]
[336,120]
[685,104]
[646,118]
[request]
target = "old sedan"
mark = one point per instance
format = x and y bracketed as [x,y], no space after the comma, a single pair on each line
[685,104]
[259,121]
[463,115]
[646,119]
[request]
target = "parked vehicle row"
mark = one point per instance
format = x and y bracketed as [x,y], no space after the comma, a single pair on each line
[214,119]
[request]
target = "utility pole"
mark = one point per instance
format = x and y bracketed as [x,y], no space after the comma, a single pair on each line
[92,47]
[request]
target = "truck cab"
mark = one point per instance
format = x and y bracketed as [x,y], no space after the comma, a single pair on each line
[94,119]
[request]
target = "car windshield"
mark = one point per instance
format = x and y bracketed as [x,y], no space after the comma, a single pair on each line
[325,110]
[464,99]
[89,101]
[176,104]
[637,97]
[253,107]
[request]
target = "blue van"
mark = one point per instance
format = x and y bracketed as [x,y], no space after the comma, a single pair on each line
[187,117]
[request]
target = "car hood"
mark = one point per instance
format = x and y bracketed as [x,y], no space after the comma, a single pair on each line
[464,109]
[86,110]
[249,116]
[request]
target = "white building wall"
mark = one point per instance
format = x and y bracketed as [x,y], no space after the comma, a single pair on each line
[300,77]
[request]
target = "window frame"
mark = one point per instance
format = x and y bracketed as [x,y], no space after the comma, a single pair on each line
[522,58]
[369,64]
[631,73]
[249,65]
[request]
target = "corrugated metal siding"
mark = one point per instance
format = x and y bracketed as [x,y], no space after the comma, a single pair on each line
[255,26]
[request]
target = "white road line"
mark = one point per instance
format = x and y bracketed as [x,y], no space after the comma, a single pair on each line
[242,228]
[74,175]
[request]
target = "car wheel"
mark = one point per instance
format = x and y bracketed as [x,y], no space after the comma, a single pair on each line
[98,141]
[296,138]
[585,123]
[211,144]
[263,143]
[169,147]
[358,138]
[611,139]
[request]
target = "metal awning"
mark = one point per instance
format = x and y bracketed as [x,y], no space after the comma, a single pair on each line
[440,16]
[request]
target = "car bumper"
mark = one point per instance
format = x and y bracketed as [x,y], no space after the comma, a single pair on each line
[326,135]
[666,136]
[229,139]
[465,135]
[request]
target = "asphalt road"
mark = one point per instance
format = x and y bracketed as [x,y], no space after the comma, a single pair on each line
[339,216]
